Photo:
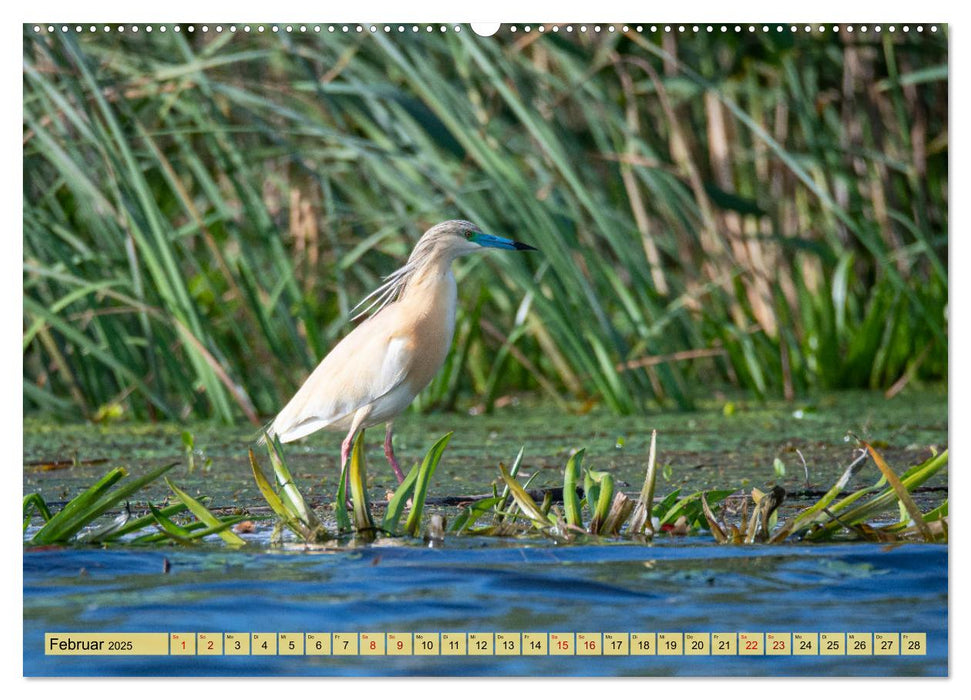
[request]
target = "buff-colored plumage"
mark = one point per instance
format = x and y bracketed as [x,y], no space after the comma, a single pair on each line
[376,371]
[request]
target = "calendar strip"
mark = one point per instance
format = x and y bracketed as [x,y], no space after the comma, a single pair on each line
[485,644]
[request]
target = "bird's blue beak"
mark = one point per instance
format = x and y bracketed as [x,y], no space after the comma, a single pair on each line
[487,241]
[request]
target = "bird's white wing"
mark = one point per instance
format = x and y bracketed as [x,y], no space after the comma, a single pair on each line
[367,364]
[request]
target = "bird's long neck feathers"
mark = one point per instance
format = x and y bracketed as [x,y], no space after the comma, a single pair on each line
[421,259]
[389,290]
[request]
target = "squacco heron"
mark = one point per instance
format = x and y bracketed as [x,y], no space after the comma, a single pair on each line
[376,371]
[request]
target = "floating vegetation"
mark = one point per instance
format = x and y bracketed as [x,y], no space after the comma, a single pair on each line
[609,511]
[589,505]
[74,523]
[286,500]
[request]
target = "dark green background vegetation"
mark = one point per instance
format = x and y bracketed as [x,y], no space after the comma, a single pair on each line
[760,211]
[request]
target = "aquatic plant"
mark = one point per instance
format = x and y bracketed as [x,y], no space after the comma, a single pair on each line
[286,500]
[74,522]
[589,504]
[609,510]
[852,515]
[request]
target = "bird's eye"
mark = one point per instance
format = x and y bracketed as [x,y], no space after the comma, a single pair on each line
[469,234]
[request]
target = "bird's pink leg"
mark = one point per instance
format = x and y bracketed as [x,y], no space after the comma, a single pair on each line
[389,453]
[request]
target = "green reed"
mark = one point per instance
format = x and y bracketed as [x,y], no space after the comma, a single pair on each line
[201,212]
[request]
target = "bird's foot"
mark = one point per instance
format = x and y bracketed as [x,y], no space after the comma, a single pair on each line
[392,460]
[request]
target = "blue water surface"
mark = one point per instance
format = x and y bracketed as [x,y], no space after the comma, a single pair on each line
[490,585]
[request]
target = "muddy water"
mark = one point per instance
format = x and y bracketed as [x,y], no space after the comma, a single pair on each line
[706,449]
